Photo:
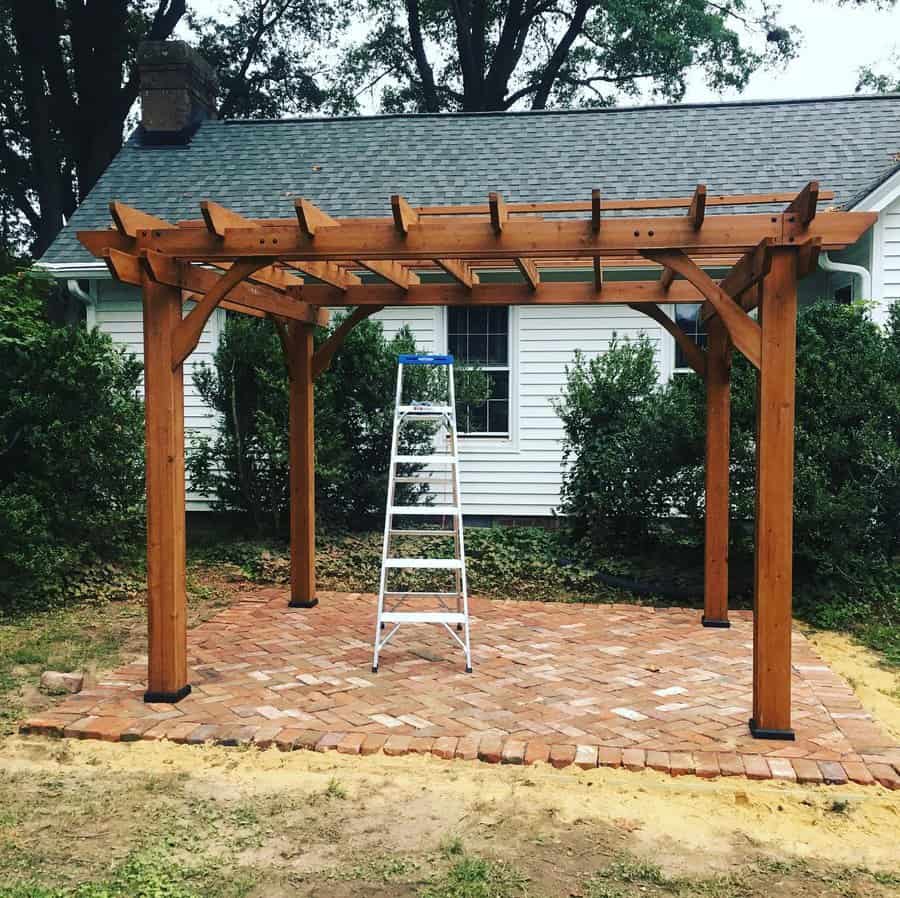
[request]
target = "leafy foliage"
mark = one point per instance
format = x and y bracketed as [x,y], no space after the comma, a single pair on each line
[426,56]
[246,464]
[635,451]
[71,444]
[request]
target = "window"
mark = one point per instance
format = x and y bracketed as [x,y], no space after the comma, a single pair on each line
[844,295]
[687,317]
[480,336]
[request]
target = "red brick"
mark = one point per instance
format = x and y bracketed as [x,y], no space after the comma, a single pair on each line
[886,775]
[421,745]
[372,744]
[136,729]
[351,744]
[833,773]
[682,763]
[490,749]
[329,741]
[46,725]
[730,764]
[634,759]
[76,730]
[807,771]
[658,760]
[707,764]
[513,752]
[467,748]
[445,747]
[562,755]
[857,772]
[536,751]
[205,732]
[397,745]
[609,757]
[756,767]
[782,769]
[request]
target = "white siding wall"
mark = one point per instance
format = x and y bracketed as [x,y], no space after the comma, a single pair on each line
[117,312]
[886,260]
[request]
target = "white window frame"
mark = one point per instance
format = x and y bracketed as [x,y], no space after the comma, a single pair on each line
[492,442]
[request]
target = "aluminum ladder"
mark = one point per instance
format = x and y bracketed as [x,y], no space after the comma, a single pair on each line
[434,469]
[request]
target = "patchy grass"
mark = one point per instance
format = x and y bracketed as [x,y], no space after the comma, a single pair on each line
[476,877]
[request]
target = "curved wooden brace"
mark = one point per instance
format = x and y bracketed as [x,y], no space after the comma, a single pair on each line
[744,331]
[695,356]
[325,353]
[187,333]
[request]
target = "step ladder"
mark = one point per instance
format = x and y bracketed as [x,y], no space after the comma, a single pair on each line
[434,469]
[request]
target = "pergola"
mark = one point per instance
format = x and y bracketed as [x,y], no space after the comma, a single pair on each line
[292,269]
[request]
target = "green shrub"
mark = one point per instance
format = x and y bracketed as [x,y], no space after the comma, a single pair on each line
[246,464]
[635,452]
[71,447]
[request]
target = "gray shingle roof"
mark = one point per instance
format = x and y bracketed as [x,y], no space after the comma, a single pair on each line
[351,166]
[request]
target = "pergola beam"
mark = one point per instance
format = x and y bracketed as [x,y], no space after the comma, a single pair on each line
[311,218]
[393,272]
[697,209]
[804,204]
[693,354]
[460,271]
[529,271]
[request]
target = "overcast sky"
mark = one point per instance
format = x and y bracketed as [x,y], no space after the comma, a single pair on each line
[837,41]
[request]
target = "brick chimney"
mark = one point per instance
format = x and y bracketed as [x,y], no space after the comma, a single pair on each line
[178,92]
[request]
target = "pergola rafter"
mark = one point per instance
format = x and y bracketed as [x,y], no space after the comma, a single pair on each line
[260,263]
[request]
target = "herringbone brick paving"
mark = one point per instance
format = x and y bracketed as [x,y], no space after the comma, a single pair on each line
[565,683]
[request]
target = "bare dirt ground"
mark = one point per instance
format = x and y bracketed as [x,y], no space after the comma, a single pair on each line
[271,824]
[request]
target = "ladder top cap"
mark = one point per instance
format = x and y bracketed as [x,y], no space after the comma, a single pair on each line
[424,358]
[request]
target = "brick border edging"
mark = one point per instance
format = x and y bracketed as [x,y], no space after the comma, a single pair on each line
[490,749]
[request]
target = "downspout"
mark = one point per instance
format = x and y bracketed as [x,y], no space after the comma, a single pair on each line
[75,290]
[862,273]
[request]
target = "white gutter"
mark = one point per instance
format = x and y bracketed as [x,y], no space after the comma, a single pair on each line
[862,273]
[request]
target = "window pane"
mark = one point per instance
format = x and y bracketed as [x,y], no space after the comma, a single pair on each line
[477,349]
[498,416]
[456,346]
[457,320]
[477,418]
[499,381]
[478,320]
[687,317]
[498,349]
[498,320]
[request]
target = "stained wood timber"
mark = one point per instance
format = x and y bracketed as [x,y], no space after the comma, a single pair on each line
[808,257]
[666,278]
[167,679]
[327,273]
[596,210]
[476,239]
[693,354]
[128,219]
[244,296]
[598,274]
[747,272]
[404,214]
[498,212]
[394,272]
[804,204]
[325,353]
[697,209]
[674,202]
[718,449]
[529,271]
[743,330]
[299,338]
[312,218]
[774,502]
[460,271]
[187,334]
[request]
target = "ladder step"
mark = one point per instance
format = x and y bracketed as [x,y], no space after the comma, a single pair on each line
[425,408]
[422,532]
[423,617]
[426,460]
[419,594]
[437,564]
[425,509]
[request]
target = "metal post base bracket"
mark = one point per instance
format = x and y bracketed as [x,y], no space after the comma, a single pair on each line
[167,698]
[762,733]
[303,603]
[716,624]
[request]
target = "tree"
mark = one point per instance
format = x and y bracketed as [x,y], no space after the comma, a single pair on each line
[475,55]
[873,81]
[70,80]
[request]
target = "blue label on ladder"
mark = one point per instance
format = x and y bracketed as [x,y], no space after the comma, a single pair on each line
[424,358]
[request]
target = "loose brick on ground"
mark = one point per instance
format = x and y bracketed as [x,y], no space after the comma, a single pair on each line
[562,755]
[513,752]
[397,745]
[490,749]
[535,752]
[445,747]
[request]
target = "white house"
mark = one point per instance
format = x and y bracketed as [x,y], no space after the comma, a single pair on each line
[350,166]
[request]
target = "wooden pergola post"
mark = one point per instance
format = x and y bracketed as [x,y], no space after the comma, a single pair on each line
[718,447]
[164,409]
[299,345]
[774,501]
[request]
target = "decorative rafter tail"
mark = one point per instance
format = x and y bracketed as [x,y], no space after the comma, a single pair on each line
[498,211]
[311,218]
[391,271]
[460,271]
[529,271]
[327,273]
[697,209]
[124,267]
[218,218]
[804,204]
[129,220]
[404,214]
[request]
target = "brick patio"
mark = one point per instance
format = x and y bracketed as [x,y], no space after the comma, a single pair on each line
[570,684]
